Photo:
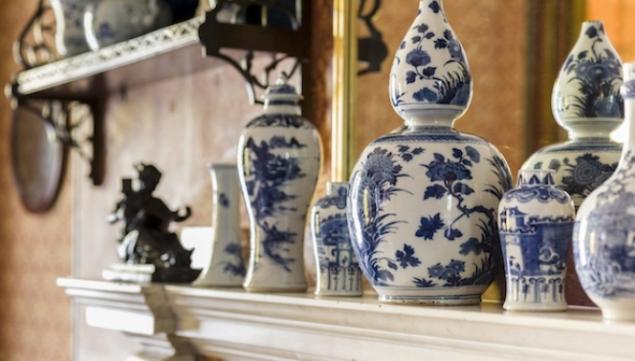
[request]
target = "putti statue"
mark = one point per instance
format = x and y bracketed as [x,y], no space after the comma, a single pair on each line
[149,251]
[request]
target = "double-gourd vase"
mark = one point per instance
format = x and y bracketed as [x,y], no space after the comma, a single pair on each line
[279,155]
[604,235]
[423,200]
[586,101]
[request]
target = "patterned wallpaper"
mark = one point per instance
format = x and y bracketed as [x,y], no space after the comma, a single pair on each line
[34,313]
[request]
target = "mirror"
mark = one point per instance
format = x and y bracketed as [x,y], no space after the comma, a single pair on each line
[38,158]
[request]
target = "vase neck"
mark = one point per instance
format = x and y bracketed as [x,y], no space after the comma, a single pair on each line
[591,128]
[536,177]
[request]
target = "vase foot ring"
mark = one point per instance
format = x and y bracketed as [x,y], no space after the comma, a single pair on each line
[432,300]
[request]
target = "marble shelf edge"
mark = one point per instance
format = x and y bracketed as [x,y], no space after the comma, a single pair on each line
[235,325]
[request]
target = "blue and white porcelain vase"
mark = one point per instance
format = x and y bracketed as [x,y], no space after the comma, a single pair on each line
[536,224]
[423,200]
[70,38]
[586,102]
[279,155]
[112,21]
[225,267]
[604,235]
[338,272]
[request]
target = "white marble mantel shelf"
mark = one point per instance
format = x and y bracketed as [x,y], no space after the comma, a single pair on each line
[177,322]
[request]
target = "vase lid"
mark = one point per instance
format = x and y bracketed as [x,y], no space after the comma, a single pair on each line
[586,96]
[430,80]
[282,91]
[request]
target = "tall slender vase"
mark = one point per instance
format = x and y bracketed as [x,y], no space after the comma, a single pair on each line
[338,272]
[279,157]
[423,200]
[604,233]
[586,102]
[226,267]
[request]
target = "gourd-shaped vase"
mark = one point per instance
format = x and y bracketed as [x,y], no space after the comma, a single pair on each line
[225,267]
[586,102]
[70,38]
[279,156]
[604,235]
[423,200]
[536,224]
[338,272]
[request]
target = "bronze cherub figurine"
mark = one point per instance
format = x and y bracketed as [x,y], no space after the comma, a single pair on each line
[145,237]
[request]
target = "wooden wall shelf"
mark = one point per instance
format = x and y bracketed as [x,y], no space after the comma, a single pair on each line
[164,53]
[235,325]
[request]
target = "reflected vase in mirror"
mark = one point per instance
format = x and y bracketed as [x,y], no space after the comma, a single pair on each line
[338,272]
[587,103]
[605,226]
[536,223]
[423,200]
[70,38]
[279,155]
[109,22]
[225,267]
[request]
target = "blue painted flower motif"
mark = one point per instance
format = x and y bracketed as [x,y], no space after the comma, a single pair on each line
[585,174]
[418,57]
[378,182]
[598,76]
[269,174]
[435,7]
[237,268]
[406,257]
[429,226]
[223,200]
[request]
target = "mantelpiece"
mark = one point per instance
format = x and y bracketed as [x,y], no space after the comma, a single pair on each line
[179,322]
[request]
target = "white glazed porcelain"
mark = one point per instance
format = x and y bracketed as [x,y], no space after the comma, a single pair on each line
[586,102]
[279,156]
[338,272]
[112,21]
[423,200]
[225,267]
[604,236]
[536,223]
[70,38]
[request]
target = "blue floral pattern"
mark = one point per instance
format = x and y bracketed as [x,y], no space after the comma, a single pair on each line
[583,175]
[596,71]
[270,173]
[237,267]
[379,179]
[448,177]
[425,80]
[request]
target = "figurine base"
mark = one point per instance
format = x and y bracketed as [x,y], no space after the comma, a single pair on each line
[143,273]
